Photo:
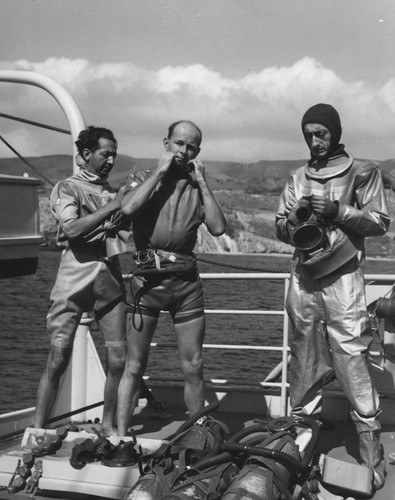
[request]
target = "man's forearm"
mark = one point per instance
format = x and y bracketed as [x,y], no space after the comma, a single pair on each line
[138,197]
[78,228]
[214,218]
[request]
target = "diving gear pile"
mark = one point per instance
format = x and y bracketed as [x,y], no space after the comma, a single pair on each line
[267,460]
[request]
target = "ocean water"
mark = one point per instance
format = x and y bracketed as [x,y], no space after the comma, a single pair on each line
[24,302]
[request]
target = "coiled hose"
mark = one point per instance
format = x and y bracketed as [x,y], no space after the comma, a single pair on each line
[277,455]
[193,418]
[311,447]
[231,446]
[214,459]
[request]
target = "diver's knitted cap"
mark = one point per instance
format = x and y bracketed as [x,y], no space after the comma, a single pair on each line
[327,116]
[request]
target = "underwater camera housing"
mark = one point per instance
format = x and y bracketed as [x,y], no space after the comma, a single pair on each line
[306,232]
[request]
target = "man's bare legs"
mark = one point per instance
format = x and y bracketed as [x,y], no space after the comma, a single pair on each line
[57,361]
[116,357]
[190,337]
[113,324]
[139,336]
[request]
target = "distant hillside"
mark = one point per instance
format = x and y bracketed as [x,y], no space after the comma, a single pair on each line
[248,194]
[58,167]
[253,178]
[263,176]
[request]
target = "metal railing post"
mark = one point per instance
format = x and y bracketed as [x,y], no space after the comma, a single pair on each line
[284,392]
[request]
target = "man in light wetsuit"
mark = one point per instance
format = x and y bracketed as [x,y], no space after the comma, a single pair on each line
[326,299]
[87,210]
[167,207]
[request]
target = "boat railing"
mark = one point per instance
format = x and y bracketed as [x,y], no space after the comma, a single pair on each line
[377,285]
[86,374]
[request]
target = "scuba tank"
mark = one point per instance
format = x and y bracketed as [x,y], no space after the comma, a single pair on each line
[274,466]
[159,470]
[262,461]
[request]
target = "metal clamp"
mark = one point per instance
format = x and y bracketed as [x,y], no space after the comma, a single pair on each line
[32,482]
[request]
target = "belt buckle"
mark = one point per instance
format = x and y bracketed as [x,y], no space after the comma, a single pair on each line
[144,257]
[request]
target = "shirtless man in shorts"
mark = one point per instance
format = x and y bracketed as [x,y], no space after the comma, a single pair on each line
[167,207]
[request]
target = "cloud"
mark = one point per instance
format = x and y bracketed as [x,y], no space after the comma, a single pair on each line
[247,119]
[19,136]
[196,80]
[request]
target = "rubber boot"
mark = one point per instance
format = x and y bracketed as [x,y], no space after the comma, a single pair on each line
[372,456]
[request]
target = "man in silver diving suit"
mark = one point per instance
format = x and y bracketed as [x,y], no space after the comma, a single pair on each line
[326,210]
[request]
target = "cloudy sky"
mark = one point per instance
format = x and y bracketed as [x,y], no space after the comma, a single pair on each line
[244,70]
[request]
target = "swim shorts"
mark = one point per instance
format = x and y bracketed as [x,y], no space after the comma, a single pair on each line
[182,296]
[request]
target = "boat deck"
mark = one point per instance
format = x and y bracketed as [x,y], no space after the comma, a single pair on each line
[112,482]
